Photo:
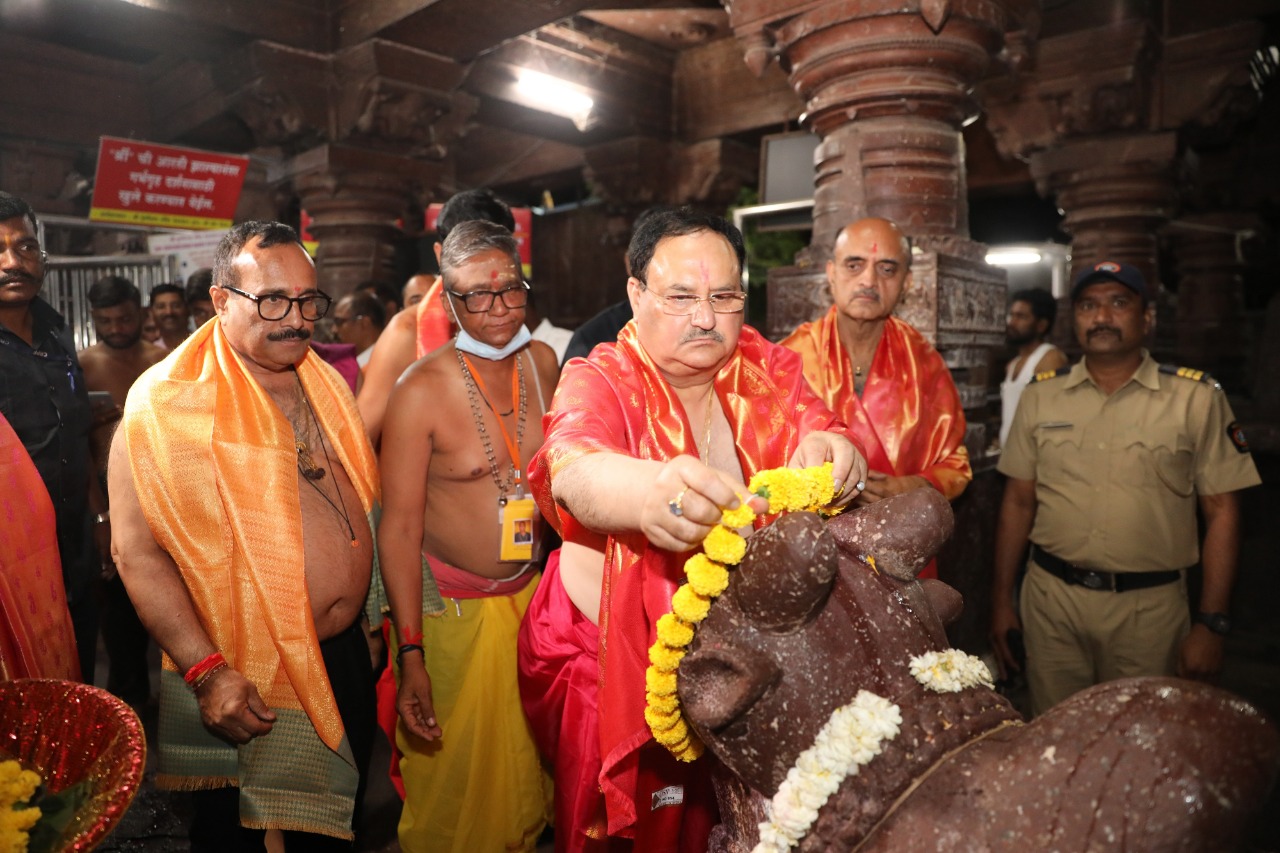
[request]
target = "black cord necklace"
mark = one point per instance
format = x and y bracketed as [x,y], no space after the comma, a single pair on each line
[311,473]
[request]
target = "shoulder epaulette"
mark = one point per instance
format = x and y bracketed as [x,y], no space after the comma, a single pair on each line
[1050,374]
[1190,373]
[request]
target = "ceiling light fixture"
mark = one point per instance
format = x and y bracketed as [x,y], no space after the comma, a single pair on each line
[1013,257]
[553,95]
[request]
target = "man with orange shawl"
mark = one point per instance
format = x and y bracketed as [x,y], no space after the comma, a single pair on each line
[243,488]
[647,441]
[880,375]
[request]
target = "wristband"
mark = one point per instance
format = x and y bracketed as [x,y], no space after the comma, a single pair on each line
[198,672]
[209,673]
[409,647]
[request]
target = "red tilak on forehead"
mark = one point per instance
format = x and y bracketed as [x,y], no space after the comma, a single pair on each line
[875,247]
[493,275]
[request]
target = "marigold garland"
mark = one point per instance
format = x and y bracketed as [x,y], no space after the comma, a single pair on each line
[786,490]
[17,815]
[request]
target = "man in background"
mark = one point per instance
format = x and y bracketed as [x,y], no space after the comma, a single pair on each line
[358,319]
[416,288]
[110,368]
[880,375]
[199,302]
[1031,316]
[169,308]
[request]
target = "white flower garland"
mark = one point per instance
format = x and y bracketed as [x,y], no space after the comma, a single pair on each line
[950,671]
[851,738]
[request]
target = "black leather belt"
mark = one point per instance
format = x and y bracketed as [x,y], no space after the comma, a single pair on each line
[1089,579]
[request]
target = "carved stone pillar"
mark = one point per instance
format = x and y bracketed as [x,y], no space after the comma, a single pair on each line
[354,198]
[368,130]
[1117,193]
[887,86]
[1208,252]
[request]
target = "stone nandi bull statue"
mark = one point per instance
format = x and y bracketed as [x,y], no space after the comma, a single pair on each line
[808,621]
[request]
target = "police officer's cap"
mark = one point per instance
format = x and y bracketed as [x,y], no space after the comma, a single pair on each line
[1125,274]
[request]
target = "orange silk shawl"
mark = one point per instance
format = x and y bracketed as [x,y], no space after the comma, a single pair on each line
[36,638]
[434,328]
[216,472]
[616,401]
[909,417]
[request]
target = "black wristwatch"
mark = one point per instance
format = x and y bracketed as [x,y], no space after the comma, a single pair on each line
[1218,623]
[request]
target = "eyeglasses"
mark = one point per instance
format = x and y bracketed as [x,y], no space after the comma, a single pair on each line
[684,304]
[276,306]
[342,321]
[480,301]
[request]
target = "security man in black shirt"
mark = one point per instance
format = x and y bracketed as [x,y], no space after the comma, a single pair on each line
[43,396]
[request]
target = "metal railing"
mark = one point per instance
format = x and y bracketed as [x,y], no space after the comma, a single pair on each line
[68,279]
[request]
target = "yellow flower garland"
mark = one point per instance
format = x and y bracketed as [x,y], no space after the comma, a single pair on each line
[787,490]
[17,816]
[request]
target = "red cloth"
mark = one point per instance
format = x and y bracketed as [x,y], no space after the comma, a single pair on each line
[434,327]
[616,401]
[909,417]
[342,358]
[36,638]
[559,676]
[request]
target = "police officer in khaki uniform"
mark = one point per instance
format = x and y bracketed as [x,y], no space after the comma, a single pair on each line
[1107,462]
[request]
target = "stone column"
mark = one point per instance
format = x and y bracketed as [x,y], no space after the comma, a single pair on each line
[887,87]
[1208,251]
[1117,193]
[354,198]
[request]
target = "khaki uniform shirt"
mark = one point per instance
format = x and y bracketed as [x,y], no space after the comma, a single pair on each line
[1117,476]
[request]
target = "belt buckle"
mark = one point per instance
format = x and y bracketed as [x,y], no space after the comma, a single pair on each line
[1095,580]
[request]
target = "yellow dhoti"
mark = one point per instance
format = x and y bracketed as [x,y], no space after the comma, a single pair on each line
[481,787]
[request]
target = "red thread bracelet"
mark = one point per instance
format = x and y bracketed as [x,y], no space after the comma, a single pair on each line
[196,672]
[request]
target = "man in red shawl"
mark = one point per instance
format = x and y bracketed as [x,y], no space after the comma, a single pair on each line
[647,441]
[879,375]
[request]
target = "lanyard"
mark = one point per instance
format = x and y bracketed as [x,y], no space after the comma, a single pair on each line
[512,447]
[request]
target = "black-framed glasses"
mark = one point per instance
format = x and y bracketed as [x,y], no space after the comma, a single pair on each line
[276,306]
[480,301]
[684,304]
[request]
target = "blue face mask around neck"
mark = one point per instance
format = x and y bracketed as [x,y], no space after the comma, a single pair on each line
[469,345]
[480,349]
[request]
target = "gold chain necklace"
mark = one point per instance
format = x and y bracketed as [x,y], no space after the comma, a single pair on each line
[505,486]
[706,444]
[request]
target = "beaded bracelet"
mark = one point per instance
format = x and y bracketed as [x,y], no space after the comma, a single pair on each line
[409,647]
[202,669]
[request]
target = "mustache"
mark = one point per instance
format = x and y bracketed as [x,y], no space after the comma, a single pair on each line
[696,334]
[16,276]
[1098,330]
[866,293]
[289,335]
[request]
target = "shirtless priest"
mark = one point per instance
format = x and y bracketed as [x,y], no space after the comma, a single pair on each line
[461,425]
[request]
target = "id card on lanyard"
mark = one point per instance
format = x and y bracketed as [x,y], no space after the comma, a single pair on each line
[518,527]
[517,513]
